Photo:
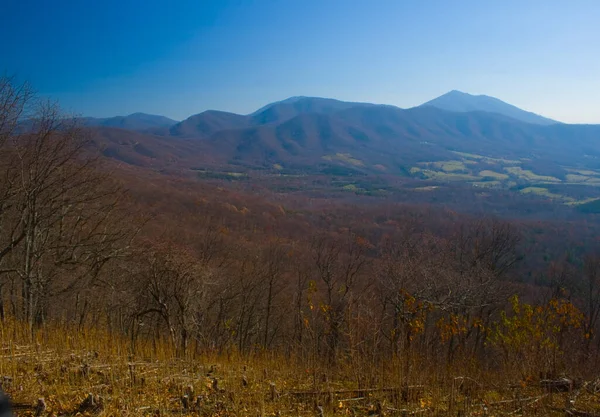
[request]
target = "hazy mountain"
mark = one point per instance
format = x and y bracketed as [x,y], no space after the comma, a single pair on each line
[458,101]
[135,121]
[205,124]
[312,133]
[285,101]
[287,109]
[372,137]
[209,122]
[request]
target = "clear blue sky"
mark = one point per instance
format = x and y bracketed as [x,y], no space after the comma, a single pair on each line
[177,58]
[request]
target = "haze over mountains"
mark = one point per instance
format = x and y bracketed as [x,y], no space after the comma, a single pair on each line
[135,121]
[458,101]
[320,134]
[455,101]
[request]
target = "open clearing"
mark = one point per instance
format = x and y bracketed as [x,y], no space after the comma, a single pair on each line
[490,172]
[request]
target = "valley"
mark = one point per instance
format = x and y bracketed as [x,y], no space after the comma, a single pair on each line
[306,137]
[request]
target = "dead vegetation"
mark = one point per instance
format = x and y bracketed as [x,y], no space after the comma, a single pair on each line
[215,313]
[65,372]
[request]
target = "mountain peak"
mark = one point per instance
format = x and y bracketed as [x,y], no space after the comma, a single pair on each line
[459,101]
[304,101]
[293,106]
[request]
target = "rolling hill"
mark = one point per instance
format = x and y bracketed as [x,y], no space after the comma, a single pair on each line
[144,149]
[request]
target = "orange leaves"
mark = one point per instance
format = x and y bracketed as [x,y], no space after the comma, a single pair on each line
[453,325]
[411,304]
[414,313]
[362,242]
[565,313]
[417,326]
[478,324]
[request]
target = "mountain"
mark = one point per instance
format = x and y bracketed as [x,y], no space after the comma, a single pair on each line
[293,99]
[209,122]
[205,124]
[457,101]
[304,135]
[135,121]
[391,137]
[289,108]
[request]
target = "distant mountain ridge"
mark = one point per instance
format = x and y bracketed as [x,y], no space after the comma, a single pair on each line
[460,102]
[305,104]
[207,123]
[210,121]
[134,121]
[310,134]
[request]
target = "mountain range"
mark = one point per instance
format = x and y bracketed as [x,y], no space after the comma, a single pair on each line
[212,120]
[321,135]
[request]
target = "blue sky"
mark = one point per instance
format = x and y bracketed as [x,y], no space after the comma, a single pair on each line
[177,58]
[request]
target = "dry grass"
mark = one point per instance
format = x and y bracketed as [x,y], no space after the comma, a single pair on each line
[543,192]
[65,366]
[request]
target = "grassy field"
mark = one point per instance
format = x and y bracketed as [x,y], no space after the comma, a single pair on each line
[541,191]
[345,158]
[529,175]
[488,172]
[476,170]
[442,175]
[482,158]
[221,175]
[584,172]
[90,372]
[492,174]
[447,166]
[488,184]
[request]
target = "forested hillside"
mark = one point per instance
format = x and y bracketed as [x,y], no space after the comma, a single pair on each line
[130,290]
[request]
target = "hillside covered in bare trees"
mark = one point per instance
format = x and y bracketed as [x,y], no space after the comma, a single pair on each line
[128,291]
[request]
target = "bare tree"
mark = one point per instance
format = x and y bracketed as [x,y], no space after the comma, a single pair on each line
[338,263]
[62,218]
[15,101]
[274,257]
[171,286]
[591,294]
[301,272]
[399,274]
